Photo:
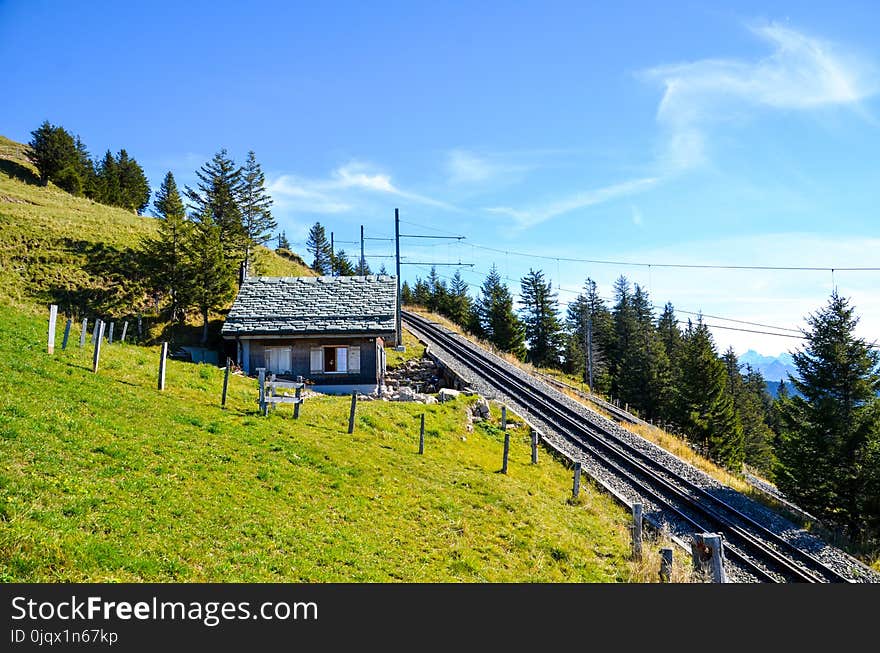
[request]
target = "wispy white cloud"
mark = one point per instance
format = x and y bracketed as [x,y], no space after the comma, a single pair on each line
[530,217]
[300,194]
[468,167]
[338,192]
[801,73]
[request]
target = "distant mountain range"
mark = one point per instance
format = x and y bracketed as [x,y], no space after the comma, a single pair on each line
[773,368]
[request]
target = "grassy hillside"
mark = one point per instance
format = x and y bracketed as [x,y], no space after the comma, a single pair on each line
[56,248]
[92,491]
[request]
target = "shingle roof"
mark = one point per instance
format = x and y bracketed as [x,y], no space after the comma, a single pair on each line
[313,305]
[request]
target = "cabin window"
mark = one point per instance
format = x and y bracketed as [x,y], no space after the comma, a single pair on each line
[336,360]
[278,360]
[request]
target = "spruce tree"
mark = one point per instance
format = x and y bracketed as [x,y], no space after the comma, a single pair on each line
[283,243]
[134,189]
[213,280]
[342,265]
[459,301]
[107,181]
[255,204]
[218,193]
[495,317]
[669,333]
[406,295]
[319,247]
[421,293]
[589,323]
[436,292]
[703,404]
[52,149]
[540,315]
[168,253]
[832,429]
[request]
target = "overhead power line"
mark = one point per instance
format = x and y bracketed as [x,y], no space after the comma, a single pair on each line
[689,266]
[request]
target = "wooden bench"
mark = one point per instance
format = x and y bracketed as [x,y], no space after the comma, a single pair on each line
[270,397]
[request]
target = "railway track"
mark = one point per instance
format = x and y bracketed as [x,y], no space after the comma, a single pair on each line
[760,553]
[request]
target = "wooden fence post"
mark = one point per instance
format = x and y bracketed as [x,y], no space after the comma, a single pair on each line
[716,550]
[665,565]
[576,484]
[707,551]
[298,394]
[506,452]
[163,353]
[110,334]
[53,317]
[66,333]
[637,531]
[354,399]
[99,333]
[504,418]
[82,334]
[422,435]
[261,379]
[534,447]
[96,330]
[225,381]
[124,331]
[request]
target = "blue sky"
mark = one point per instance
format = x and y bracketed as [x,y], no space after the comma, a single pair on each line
[745,135]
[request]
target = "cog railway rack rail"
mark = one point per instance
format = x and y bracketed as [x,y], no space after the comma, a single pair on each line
[757,552]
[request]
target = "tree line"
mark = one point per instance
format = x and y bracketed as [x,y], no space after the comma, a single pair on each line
[820,445]
[63,159]
[207,235]
[327,261]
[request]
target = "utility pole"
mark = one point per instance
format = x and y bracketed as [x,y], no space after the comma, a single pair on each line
[397,257]
[332,257]
[363,269]
[397,237]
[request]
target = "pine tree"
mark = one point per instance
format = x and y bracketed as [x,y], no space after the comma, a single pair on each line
[590,326]
[54,153]
[832,429]
[86,170]
[670,334]
[459,301]
[255,203]
[382,270]
[421,293]
[107,181]
[213,280]
[703,405]
[495,318]
[134,189]
[168,253]
[318,245]
[342,265]
[283,243]
[653,392]
[754,412]
[436,291]
[540,315]
[218,194]
[406,295]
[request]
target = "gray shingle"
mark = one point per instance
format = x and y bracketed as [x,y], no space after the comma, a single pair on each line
[313,305]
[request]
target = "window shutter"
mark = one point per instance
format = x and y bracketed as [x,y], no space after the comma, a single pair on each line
[354,360]
[317,359]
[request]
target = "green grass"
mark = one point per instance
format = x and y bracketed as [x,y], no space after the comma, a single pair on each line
[56,248]
[105,478]
[414,350]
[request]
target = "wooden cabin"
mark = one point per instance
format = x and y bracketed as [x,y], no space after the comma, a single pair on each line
[331,331]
